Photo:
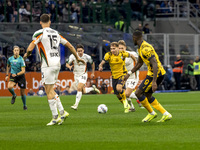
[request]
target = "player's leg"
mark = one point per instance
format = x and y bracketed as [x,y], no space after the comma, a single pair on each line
[128,93]
[89,89]
[23,97]
[143,87]
[63,114]
[21,81]
[78,95]
[52,104]
[156,104]
[121,92]
[11,84]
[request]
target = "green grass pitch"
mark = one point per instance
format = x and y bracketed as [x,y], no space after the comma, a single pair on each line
[87,129]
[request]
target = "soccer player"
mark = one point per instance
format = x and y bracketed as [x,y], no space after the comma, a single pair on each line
[116,60]
[80,74]
[17,65]
[134,78]
[47,41]
[154,77]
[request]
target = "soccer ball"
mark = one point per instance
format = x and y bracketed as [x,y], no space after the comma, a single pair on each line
[40,92]
[102,108]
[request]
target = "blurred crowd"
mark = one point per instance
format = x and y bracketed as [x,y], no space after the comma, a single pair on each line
[71,11]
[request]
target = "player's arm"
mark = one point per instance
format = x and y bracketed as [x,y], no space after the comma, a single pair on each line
[73,51]
[22,71]
[136,67]
[101,65]
[93,69]
[7,72]
[69,66]
[154,65]
[29,50]
[134,59]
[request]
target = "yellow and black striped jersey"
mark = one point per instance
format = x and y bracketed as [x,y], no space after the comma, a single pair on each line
[117,63]
[146,52]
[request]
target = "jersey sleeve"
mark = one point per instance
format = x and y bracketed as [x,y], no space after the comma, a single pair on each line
[22,63]
[89,58]
[37,36]
[63,41]
[71,59]
[125,54]
[107,57]
[147,53]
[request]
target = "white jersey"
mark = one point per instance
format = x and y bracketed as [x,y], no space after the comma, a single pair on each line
[130,64]
[81,68]
[47,41]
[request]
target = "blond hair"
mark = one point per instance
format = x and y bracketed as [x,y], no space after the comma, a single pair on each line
[122,42]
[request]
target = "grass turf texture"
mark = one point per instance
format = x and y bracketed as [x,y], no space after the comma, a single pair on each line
[87,129]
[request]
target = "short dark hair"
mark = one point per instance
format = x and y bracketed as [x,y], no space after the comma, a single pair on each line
[44,18]
[79,46]
[114,44]
[137,33]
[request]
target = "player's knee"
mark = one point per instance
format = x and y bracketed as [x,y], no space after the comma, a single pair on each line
[10,87]
[119,88]
[127,94]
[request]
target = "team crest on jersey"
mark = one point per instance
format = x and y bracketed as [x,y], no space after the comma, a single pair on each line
[116,59]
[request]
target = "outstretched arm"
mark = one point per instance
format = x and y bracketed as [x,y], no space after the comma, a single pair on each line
[29,50]
[137,66]
[134,59]
[73,51]
[101,65]
[68,66]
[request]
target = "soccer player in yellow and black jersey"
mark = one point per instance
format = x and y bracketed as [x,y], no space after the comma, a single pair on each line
[116,61]
[154,77]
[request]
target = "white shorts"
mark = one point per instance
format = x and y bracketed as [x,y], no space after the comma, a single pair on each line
[81,79]
[50,75]
[131,83]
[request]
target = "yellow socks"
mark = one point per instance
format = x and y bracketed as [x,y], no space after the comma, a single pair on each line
[146,104]
[157,105]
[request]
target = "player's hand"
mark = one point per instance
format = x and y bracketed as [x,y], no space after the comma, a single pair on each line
[154,86]
[92,75]
[100,68]
[70,68]
[14,75]
[6,78]
[25,56]
[126,77]
[80,60]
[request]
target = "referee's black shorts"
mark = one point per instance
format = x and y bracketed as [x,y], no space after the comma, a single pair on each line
[20,80]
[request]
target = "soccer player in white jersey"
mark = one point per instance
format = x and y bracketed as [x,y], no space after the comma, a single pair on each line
[80,74]
[47,41]
[133,79]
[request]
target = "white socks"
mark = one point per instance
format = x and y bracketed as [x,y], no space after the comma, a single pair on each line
[166,113]
[130,102]
[153,112]
[133,95]
[78,98]
[59,104]
[88,90]
[53,107]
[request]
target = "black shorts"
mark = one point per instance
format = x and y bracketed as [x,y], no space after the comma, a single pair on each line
[117,81]
[20,80]
[146,85]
